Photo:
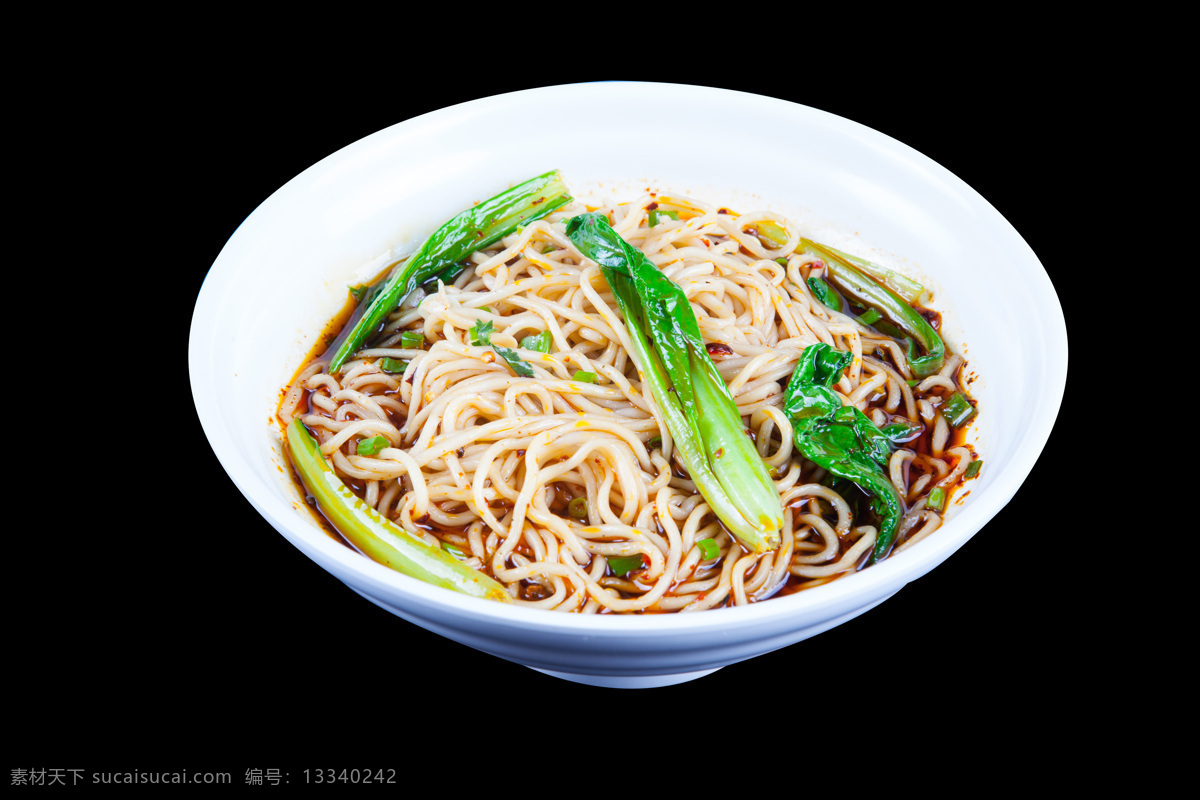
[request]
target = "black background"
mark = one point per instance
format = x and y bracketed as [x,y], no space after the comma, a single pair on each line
[170,627]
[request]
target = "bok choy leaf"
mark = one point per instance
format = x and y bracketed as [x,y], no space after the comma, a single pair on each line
[473,229]
[687,388]
[841,438]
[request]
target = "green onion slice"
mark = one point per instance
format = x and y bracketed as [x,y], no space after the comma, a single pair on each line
[392,365]
[578,508]
[957,410]
[936,499]
[369,447]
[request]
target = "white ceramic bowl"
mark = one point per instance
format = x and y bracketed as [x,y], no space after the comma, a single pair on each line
[347,215]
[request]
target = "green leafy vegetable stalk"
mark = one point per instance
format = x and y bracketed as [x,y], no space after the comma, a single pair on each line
[885,291]
[473,229]
[690,393]
[841,438]
[373,534]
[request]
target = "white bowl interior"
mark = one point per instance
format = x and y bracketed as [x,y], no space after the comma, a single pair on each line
[285,271]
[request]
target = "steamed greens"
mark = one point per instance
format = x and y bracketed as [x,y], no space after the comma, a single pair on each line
[841,438]
[375,535]
[439,256]
[884,291]
[690,393]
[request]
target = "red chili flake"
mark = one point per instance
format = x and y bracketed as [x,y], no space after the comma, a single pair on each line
[539,200]
[652,206]
[724,211]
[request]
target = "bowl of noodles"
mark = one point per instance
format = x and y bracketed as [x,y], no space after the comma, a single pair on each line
[502,423]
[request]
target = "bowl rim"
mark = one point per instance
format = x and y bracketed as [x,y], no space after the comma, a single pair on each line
[877,582]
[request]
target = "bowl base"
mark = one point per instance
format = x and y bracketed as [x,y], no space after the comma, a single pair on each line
[628,681]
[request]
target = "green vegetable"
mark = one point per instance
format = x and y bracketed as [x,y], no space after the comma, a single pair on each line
[540,342]
[375,535]
[871,316]
[906,287]
[369,447]
[825,294]
[481,335]
[876,287]
[393,365]
[957,410]
[973,469]
[708,549]
[584,377]
[412,340]
[689,391]
[936,499]
[578,508]
[623,564]
[868,292]
[656,216]
[840,438]
[902,431]
[473,229]
[454,551]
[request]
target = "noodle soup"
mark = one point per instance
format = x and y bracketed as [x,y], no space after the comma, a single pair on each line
[500,416]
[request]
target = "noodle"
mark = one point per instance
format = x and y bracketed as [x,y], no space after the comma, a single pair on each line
[486,463]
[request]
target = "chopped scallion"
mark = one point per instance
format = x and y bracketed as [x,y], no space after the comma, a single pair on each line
[958,409]
[412,340]
[973,469]
[369,447]
[936,499]
[584,377]
[393,365]
[578,508]
[709,548]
